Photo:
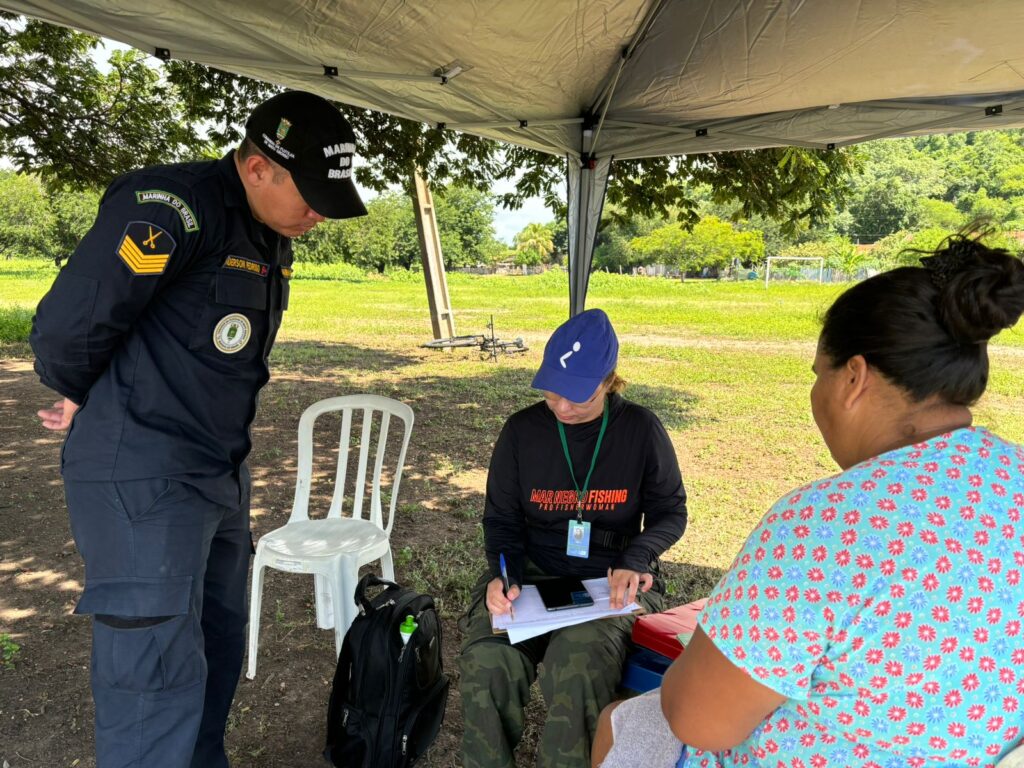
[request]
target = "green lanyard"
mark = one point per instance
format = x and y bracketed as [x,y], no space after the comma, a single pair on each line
[581,494]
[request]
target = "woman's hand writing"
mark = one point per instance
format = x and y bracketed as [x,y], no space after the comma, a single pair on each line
[497,602]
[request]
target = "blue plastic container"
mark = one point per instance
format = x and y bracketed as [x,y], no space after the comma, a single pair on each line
[644,670]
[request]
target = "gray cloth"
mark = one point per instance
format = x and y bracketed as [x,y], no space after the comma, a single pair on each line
[642,738]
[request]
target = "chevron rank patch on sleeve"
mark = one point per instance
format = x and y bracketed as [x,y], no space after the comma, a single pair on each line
[145,248]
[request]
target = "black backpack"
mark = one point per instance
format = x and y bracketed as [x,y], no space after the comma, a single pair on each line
[388,698]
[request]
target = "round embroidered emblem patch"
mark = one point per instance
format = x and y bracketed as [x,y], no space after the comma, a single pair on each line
[232,333]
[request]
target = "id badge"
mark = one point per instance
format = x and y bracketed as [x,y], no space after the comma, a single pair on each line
[578,544]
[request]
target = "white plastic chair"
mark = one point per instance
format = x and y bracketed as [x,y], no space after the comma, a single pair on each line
[335,547]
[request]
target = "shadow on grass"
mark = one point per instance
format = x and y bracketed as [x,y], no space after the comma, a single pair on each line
[460,406]
[313,357]
[458,416]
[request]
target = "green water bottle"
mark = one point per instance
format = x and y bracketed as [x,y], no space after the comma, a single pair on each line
[407,628]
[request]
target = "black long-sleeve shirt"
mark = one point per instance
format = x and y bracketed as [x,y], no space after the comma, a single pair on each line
[636,502]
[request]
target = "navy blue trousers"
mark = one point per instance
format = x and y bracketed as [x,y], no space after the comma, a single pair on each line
[165,582]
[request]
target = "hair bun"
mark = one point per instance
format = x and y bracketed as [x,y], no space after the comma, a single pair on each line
[981,289]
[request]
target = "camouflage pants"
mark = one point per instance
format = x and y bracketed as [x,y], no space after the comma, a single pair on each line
[582,666]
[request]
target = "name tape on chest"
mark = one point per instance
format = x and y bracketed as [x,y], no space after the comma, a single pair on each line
[188,217]
[249,266]
[145,248]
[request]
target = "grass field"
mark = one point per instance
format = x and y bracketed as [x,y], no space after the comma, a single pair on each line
[725,365]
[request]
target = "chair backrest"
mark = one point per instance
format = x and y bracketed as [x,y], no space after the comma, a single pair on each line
[376,413]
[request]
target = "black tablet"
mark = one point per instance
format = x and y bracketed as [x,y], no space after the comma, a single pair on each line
[558,594]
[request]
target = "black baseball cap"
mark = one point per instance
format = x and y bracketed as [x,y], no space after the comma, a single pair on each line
[307,135]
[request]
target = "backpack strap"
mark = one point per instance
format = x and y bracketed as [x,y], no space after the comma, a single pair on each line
[339,693]
[368,581]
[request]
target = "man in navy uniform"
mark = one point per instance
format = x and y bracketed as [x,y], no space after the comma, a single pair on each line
[156,335]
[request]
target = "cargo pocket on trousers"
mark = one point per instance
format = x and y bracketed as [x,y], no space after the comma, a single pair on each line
[145,637]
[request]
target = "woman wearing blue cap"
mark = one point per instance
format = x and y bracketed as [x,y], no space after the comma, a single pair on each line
[582,484]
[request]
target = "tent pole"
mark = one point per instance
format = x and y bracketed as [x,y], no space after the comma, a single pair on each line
[587,180]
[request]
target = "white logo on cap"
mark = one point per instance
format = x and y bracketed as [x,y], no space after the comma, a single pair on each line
[567,355]
[275,146]
[343,148]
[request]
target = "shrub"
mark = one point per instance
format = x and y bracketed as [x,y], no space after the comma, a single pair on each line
[15,324]
[9,651]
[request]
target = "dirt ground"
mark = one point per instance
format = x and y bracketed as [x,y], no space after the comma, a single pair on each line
[278,719]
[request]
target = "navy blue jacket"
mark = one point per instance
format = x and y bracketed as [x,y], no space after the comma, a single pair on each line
[160,325]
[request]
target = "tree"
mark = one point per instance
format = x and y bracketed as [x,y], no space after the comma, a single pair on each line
[905,249]
[979,205]
[981,161]
[387,237]
[63,118]
[938,213]
[560,239]
[663,245]
[324,244]
[712,244]
[73,213]
[384,238]
[810,249]
[790,185]
[882,207]
[25,217]
[465,221]
[612,249]
[846,257]
[533,245]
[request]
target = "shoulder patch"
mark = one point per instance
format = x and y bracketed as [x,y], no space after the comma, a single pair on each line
[145,248]
[188,217]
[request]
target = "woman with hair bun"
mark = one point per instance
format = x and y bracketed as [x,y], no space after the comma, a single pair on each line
[875,617]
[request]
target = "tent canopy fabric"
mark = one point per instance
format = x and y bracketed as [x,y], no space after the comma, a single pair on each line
[649,77]
[603,79]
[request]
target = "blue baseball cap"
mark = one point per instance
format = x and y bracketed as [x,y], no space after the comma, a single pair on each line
[579,355]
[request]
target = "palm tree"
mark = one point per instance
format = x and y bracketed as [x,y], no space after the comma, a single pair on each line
[534,244]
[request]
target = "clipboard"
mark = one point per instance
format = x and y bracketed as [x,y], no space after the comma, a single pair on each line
[533,619]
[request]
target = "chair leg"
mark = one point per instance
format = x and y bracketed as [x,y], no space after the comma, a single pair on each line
[344,607]
[255,604]
[326,617]
[387,565]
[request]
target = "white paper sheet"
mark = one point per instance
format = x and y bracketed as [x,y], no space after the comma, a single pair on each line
[532,618]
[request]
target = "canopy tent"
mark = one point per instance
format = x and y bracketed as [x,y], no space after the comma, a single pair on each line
[605,79]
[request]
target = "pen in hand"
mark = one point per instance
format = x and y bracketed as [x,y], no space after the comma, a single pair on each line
[504,579]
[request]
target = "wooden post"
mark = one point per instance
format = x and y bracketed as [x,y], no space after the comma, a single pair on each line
[442,319]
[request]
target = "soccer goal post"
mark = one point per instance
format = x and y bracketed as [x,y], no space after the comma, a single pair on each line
[776,259]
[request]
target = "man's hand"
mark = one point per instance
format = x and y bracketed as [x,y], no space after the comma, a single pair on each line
[623,584]
[497,602]
[58,418]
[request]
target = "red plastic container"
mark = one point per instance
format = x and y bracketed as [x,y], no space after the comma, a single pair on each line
[660,632]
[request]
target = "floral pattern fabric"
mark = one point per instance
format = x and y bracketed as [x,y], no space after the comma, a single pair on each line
[885,602]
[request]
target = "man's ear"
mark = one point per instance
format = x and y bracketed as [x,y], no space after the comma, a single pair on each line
[256,169]
[857,380]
